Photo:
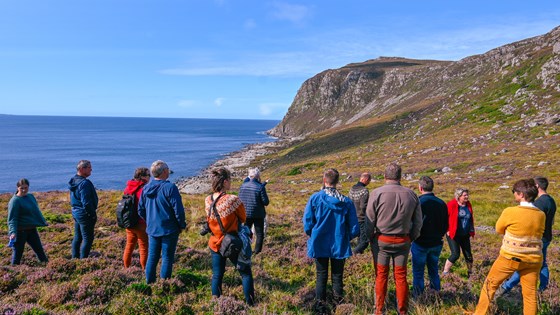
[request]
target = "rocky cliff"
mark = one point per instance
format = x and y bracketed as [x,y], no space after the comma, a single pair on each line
[516,81]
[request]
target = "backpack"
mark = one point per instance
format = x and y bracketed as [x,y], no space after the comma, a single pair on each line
[127,214]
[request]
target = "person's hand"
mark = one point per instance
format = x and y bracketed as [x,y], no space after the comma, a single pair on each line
[447,233]
[12,236]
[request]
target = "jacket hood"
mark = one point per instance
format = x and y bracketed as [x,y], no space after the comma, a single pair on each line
[333,200]
[75,182]
[152,188]
[133,185]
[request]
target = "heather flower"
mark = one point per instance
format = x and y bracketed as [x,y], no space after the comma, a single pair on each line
[226,305]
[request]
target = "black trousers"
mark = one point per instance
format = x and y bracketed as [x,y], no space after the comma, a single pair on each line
[337,270]
[462,242]
[259,230]
[363,240]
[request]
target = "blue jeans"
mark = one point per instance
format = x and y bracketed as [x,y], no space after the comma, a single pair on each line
[30,236]
[83,237]
[422,257]
[164,247]
[544,274]
[218,270]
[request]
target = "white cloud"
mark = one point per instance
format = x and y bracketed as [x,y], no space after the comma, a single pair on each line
[187,103]
[250,24]
[273,109]
[336,48]
[219,101]
[294,13]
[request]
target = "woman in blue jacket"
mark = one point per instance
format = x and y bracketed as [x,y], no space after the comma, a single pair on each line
[24,217]
[331,222]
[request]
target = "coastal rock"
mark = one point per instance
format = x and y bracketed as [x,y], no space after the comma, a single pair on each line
[237,162]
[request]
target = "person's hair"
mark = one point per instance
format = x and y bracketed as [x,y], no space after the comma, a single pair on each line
[427,183]
[393,172]
[219,175]
[83,164]
[22,182]
[254,172]
[331,176]
[542,182]
[527,187]
[141,172]
[366,176]
[459,191]
[158,167]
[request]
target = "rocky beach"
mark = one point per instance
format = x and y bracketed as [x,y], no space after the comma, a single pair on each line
[237,162]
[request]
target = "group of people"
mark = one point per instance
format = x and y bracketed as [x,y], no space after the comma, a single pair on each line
[161,219]
[391,219]
[394,221]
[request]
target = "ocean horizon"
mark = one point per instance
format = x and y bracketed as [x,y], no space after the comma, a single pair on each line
[46,149]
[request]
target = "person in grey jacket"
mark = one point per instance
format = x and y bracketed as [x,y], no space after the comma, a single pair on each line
[359,195]
[254,197]
[396,220]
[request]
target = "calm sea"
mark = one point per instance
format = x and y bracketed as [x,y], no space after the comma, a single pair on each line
[46,149]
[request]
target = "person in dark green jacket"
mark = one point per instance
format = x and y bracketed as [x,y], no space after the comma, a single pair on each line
[24,217]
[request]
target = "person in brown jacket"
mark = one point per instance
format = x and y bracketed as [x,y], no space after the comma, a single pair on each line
[396,219]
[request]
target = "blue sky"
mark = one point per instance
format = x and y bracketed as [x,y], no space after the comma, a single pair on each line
[226,58]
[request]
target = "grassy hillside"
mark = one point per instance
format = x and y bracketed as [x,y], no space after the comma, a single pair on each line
[284,276]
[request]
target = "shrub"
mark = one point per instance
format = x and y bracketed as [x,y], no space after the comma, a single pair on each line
[191,279]
[226,305]
[133,303]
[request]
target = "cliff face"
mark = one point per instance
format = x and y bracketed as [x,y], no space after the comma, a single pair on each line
[518,78]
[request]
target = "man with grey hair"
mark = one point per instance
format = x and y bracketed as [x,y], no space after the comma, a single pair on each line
[359,194]
[162,208]
[83,200]
[396,219]
[253,195]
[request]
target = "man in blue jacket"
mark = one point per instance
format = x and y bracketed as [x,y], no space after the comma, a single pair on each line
[331,222]
[162,208]
[253,195]
[83,200]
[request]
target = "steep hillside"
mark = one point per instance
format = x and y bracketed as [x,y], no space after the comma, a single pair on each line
[519,80]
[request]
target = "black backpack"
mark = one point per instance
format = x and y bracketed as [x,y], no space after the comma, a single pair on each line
[127,214]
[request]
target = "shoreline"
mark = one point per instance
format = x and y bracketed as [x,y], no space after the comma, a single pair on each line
[236,161]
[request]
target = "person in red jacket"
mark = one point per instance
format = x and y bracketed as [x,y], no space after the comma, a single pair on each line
[137,234]
[461,229]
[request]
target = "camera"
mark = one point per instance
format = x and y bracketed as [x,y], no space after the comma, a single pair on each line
[205,229]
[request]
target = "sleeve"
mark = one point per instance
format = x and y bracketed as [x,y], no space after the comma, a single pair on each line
[501,224]
[13,212]
[371,214]
[309,219]
[445,220]
[352,219]
[142,206]
[364,203]
[264,196]
[88,197]
[177,204]
[471,232]
[241,213]
[416,220]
